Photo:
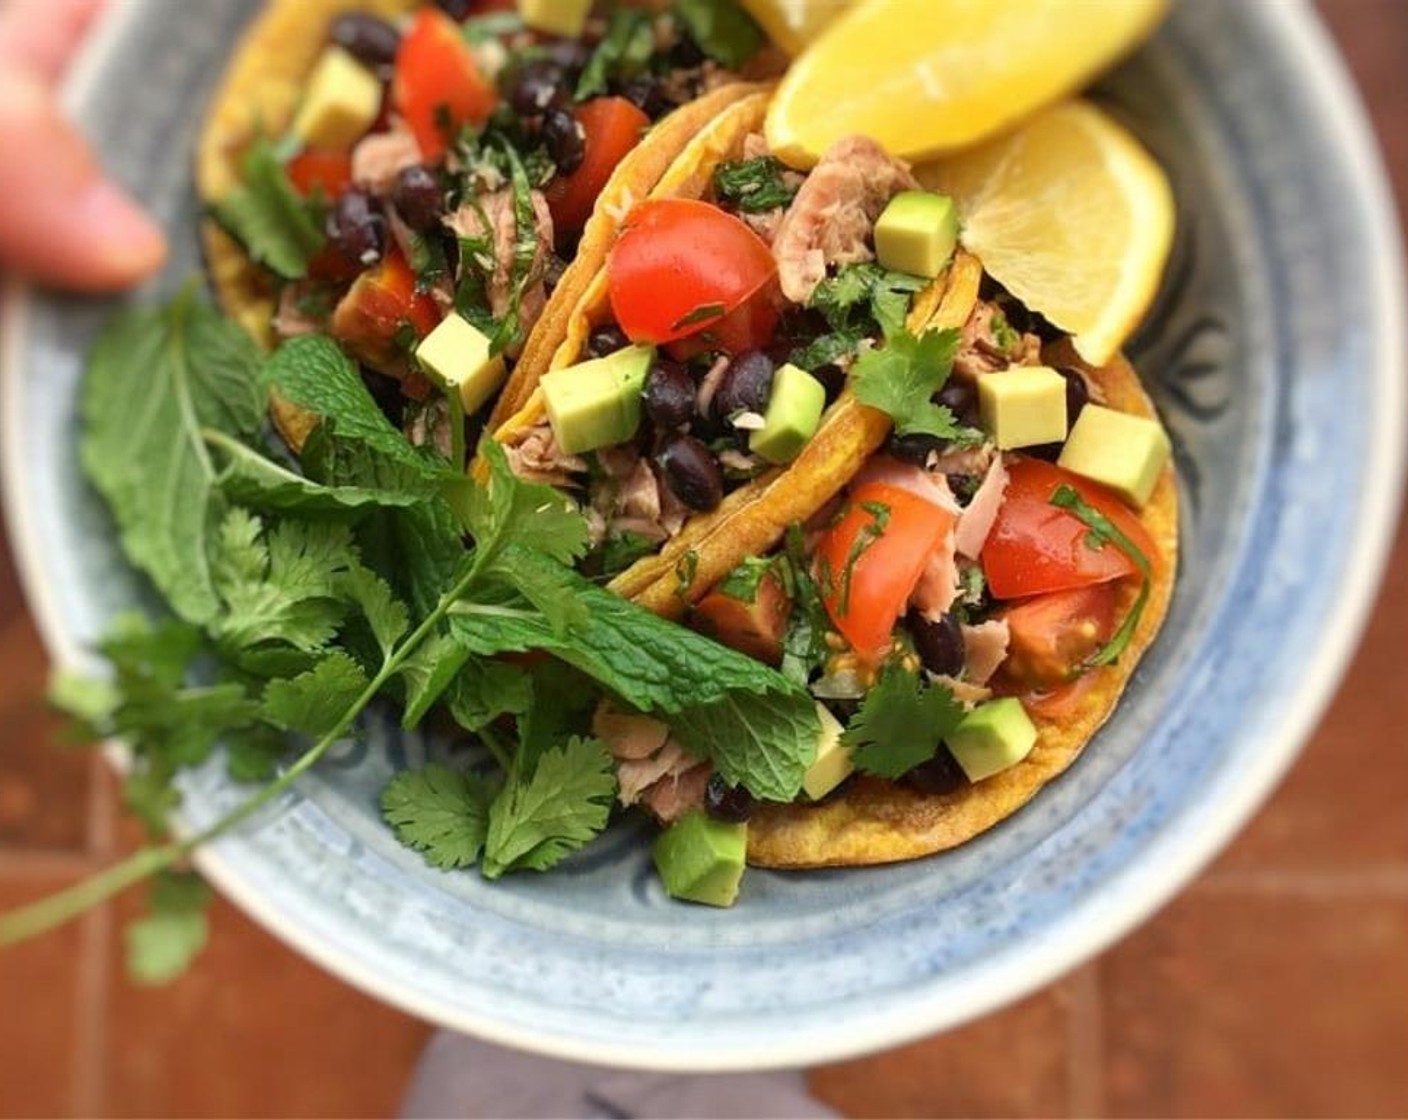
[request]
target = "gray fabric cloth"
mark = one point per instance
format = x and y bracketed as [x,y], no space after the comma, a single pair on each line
[463,1077]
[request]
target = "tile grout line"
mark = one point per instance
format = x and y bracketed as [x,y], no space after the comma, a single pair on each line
[1085,1057]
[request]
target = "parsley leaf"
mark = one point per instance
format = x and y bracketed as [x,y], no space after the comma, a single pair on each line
[624,51]
[753,186]
[541,817]
[155,378]
[439,812]
[900,724]
[315,702]
[901,378]
[161,945]
[723,30]
[277,226]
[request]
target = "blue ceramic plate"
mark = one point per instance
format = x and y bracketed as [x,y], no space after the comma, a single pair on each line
[1274,353]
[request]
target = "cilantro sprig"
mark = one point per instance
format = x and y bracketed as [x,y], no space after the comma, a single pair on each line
[900,723]
[1103,531]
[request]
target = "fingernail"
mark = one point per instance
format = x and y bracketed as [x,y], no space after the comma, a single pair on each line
[127,240]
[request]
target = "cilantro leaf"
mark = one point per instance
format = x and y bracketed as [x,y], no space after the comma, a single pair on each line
[863,298]
[155,378]
[623,52]
[162,945]
[901,378]
[723,30]
[900,724]
[277,226]
[427,673]
[439,812]
[753,186]
[508,512]
[316,701]
[558,704]
[386,617]
[539,818]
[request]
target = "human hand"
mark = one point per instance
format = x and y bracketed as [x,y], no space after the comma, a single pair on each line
[61,221]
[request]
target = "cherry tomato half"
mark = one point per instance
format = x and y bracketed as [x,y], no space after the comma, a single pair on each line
[680,266]
[749,326]
[314,169]
[870,561]
[1035,547]
[381,303]
[437,86]
[612,126]
[1050,636]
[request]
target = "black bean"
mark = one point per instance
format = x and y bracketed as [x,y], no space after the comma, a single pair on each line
[832,378]
[572,55]
[386,391]
[746,385]
[418,198]
[565,139]
[691,473]
[646,95]
[724,802]
[939,644]
[537,86]
[915,447]
[369,40]
[961,399]
[1077,397]
[356,229]
[941,774]
[686,53]
[456,9]
[669,394]
[606,340]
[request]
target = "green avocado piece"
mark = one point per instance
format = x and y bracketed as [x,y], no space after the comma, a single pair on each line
[456,356]
[1023,406]
[992,737]
[701,860]
[1127,453]
[916,233]
[833,763]
[793,416]
[597,403]
[566,18]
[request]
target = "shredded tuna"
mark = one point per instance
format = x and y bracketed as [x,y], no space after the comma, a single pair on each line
[731,459]
[938,586]
[963,691]
[709,384]
[379,158]
[832,219]
[891,472]
[634,777]
[429,424]
[975,522]
[963,460]
[498,210]
[650,766]
[755,145]
[979,352]
[537,458]
[629,736]
[640,493]
[765,224]
[293,318]
[984,649]
[676,794]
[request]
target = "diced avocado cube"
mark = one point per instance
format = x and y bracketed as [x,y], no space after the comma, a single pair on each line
[597,403]
[456,355]
[342,100]
[793,416]
[701,859]
[832,764]
[992,737]
[556,17]
[1023,406]
[916,233]
[1127,453]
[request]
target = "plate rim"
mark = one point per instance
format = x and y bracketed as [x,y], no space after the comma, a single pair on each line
[1128,897]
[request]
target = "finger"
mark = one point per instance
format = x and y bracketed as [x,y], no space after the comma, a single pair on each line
[60,220]
[40,36]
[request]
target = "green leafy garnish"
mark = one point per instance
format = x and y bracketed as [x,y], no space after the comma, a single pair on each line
[860,301]
[723,30]
[753,186]
[162,945]
[900,723]
[1103,531]
[704,313]
[742,583]
[901,378]
[439,812]
[624,51]
[276,225]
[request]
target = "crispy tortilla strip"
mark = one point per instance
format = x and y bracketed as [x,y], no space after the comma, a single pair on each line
[874,821]
[755,517]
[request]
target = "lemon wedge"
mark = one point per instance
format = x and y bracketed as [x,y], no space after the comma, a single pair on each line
[1071,215]
[792,24]
[930,76]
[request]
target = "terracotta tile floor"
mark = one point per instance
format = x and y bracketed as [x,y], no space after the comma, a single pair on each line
[1277,985]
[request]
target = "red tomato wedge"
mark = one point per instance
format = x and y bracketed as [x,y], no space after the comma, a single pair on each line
[316,170]
[870,561]
[1034,547]
[1051,635]
[612,126]
[749,326]
[755,628]
[380,303]
[680,266]
[437,86]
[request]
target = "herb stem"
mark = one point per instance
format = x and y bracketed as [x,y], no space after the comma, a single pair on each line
[490,738]
[63,906]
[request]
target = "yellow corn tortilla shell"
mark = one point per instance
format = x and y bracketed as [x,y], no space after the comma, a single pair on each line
[874,821]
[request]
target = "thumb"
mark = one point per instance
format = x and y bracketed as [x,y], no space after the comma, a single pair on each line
[61,221]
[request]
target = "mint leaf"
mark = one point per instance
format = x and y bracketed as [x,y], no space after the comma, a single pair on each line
[559,702]
[538,819]
[155,378]
[900,724]
[439,812]
[762,744]
[427,673]
[315,702]
[417,550]
[486,690]
[276,225]
[508,511]
[901,379]
[723,30]
[162,945]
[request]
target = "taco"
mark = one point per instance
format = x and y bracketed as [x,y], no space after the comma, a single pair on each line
[371,167]
[897,571]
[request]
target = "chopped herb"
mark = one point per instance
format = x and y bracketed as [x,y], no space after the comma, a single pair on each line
[490,26]
[685,568]
[742,583]
[1004,334]
[869,533]
[804,648]
[619,551]
[723,30]
[901,378]
[701,314]
[278,227]
[753,186]
[624,51]
[900,723]
[1103,531]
